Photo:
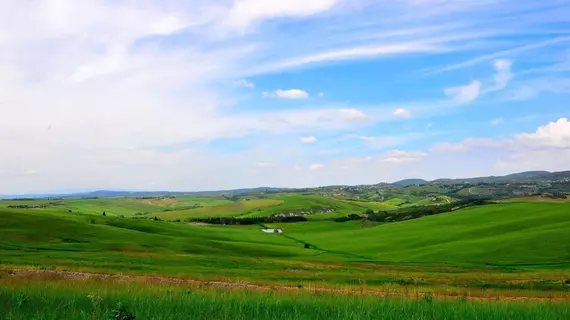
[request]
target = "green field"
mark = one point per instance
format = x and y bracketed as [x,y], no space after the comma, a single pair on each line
[285,203]
[52,299]
[518,250]
[502,234]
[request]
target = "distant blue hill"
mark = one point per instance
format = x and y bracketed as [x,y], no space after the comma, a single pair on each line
[515,177]
[114,194]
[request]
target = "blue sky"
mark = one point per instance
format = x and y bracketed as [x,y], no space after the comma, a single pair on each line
[196,95]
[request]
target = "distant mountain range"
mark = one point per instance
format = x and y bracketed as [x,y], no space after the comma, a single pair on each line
[530,176]
[114,194]
[515,177]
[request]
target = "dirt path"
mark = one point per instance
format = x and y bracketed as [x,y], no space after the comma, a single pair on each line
[475,296]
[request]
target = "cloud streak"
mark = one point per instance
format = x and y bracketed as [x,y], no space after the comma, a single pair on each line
[503,53]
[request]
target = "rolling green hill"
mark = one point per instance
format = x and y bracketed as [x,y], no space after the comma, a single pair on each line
[495,245]
[503,234]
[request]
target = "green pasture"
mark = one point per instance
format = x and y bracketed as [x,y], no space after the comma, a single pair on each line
[526,240]
[51,299]
[514,234]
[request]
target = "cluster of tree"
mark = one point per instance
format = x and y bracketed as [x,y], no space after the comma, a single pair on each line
[142,213]
[248,221]
[35,206]
[414,212]
[350,217]
[233,197]
[555,195]
[422,211]
[562,187]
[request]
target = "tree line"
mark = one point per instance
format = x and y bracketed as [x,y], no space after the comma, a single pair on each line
[247,220]
[413,212]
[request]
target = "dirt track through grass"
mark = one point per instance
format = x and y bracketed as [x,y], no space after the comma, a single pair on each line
[417,293]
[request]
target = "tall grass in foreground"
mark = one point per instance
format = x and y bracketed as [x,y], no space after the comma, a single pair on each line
[99,299]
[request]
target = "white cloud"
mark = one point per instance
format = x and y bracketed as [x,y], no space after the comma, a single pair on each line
[530,89]
[119,94]
[398,156]
[554,134]
[287,94]
[465,94]
[503,73]
[320,94]
[497,121]
[468,144]
[245,12]
[383,141]
[402,113]
[292,94]
[495,55]
[448,147]
[265,164]
[317,166]
[244,83]
[352,53]
[309,139]
[546,159]
[353,115]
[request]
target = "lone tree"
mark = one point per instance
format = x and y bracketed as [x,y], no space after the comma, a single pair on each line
[155,218]
[369,211]
[306,246]
[104,214]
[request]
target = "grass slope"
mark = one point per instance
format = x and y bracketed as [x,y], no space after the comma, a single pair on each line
[24,299]
[537,199]
[233,209]
[513,236]
[507,234]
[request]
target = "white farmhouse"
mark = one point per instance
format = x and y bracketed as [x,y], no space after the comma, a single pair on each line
[272,230]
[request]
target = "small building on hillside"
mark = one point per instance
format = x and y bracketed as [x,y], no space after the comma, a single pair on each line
[272,230]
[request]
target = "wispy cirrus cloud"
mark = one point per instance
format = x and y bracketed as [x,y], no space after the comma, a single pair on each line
[502,53]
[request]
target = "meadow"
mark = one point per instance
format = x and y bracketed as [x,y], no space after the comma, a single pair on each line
[32,298]
[506,251]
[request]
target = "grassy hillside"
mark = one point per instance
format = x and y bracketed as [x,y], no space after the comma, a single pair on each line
[122,206]
[233,209]
[507,234]
[513,236]
[315,207]
[537,199]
